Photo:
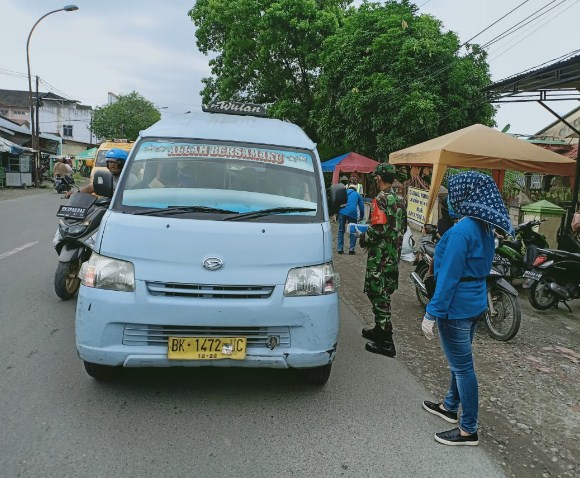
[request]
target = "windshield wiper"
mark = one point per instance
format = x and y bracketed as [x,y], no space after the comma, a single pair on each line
[267,212]
[174,210]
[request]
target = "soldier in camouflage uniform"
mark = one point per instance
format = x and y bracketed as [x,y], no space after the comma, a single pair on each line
[383,240]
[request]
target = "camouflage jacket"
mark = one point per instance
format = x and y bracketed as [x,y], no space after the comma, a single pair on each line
[383,243]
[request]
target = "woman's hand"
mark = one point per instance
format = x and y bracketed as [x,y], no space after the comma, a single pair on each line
[427,327]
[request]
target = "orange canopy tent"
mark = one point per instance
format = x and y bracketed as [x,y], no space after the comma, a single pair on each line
[481,147]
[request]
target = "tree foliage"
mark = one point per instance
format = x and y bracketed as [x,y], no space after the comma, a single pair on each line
[267,51]
[392,78]
[124,118]
[371,79]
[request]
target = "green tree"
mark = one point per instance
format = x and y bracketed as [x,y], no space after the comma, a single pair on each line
[266,51]
[124,118]
[391,78]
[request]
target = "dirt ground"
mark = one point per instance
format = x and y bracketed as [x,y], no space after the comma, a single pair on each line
[529,387]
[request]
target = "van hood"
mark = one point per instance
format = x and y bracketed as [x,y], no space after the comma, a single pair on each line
[174,250]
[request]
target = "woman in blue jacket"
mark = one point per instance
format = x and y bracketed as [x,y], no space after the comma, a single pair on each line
[463,259]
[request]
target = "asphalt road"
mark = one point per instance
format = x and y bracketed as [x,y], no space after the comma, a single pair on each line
[56,422]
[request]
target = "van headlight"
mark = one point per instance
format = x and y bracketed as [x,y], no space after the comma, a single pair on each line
[313,280]
[103,272]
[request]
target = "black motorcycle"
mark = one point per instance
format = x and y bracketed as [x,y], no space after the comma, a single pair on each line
[79,221]
[521,251]
[423,260]
[554,277]
[503,316]
[63,184]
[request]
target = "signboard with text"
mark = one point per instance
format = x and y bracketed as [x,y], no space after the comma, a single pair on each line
[417,200]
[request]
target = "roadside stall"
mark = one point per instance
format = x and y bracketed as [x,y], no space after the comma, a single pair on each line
[16,162]
[350,163]
[85,161]
[476,147]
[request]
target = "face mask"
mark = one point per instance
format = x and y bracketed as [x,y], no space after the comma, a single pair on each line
[452,212]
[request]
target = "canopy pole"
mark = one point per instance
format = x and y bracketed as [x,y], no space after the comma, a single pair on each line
[576,176]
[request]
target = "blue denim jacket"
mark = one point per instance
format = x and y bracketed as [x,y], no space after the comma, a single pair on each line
[465,250]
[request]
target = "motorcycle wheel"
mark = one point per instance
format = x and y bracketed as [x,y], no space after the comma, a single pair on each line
[422,270]
[541,297]
[66,281]
[505,323]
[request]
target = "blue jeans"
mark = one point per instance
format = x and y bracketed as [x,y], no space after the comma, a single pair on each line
[456,338]
[342,223]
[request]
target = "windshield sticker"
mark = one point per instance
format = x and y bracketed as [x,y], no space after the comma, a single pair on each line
[158,150]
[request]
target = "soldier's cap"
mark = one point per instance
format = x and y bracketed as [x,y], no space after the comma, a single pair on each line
[384,168]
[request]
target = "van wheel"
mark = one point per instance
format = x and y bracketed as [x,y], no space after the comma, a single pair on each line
[100,372]
[316,375]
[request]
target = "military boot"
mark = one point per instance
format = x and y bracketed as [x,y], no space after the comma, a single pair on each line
[373,334]
[383,344]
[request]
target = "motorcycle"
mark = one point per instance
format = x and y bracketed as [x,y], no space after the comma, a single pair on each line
[63,184]
[554,277]
[521,251]
[73,241]
[503,316]
[423,260]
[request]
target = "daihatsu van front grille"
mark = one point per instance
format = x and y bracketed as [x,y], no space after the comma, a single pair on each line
[171,289]
[142,334]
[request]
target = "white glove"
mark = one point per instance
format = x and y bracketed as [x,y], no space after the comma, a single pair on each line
[427,328]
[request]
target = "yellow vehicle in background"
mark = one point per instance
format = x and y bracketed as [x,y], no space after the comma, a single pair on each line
[100,163]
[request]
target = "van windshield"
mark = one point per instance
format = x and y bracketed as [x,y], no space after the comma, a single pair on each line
[229,177]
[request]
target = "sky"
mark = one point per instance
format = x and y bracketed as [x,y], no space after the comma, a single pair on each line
[149,46]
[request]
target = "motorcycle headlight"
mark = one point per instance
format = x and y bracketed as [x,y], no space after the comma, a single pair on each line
[72,229]
[103,272]
[313,280]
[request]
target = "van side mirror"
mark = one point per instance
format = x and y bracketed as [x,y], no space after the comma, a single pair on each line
[336,198]
[103,184]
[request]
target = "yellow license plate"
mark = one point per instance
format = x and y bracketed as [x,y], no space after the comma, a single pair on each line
[206,348]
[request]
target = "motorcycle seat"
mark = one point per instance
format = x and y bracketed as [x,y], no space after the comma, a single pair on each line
[429,249]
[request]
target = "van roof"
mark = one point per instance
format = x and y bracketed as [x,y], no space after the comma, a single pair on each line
[224,127]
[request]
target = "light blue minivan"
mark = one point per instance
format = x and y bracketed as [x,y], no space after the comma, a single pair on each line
[216,251]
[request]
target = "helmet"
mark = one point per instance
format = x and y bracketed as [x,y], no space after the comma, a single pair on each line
[384,168]
[117,155]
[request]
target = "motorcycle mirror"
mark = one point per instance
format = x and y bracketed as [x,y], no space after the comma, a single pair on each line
[103,183]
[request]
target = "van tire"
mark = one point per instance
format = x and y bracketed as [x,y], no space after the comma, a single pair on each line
[100,372]
[316,375]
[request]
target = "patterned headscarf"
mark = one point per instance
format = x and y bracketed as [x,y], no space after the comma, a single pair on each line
[476,195]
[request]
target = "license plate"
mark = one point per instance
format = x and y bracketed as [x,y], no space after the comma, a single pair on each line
[532,275]
[206,348]
[72,212]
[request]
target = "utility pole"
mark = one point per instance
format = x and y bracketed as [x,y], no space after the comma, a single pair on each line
[38,154]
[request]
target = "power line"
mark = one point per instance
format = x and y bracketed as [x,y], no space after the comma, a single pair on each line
[534,31]
[534,16]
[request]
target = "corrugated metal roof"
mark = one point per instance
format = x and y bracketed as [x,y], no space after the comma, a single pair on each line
[237,128]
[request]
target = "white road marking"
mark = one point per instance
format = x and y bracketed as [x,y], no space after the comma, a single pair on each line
[18,249]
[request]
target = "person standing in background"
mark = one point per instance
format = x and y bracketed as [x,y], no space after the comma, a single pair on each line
[350,213]
[463,259]
[354,180]
[383,240]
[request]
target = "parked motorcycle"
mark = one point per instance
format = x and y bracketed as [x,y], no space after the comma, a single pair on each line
[521,251]
[554,277]
[503,316]
[73,241]
[63,184]
[423,259]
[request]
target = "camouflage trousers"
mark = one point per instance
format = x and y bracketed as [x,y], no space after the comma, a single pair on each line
[381,305]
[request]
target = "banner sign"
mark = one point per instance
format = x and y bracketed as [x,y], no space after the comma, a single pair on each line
[417,200]
[235,108]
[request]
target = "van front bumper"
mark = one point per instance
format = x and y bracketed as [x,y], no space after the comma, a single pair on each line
[307,328]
